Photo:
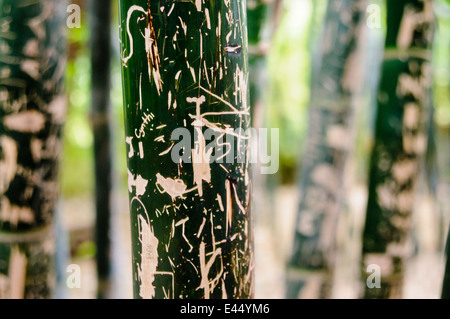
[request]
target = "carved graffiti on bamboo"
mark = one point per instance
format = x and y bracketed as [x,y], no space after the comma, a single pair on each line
[147,268]
[151,46]
[33,113]
[187,239]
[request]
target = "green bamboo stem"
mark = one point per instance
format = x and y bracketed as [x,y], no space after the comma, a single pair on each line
[185,66]
[310,268]
[400,144]
[32,112]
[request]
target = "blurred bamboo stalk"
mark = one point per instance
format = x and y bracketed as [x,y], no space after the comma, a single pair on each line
[401,129]
[100,114]
[333,88]
[32,113]
[262,17]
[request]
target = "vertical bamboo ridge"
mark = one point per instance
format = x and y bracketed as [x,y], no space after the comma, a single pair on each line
[185,66]
[329,139]
[32,112]
[400,143]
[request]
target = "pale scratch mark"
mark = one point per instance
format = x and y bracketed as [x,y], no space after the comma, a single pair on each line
[241,86]
[410,21]
[215,127]
[149,259]
[200,157]
[223,144]
[140,91]
[174,39]
[234,236]
[198,4]
[8,165]
[224,290]
[241,207]
[208,19]
[177,79]
[228,36]
[224,168]
[159,139]
[236,49]
[192,73]
[229,17]
[151,47]
[31,68]
[139,183]
[173,187]
[167,150]
[193,265]
[129,140]
[58,109]
[169,100]
[213,237]
[14,214]
[201,227]
[161,126]
[182,223]
[165,209]
[172,231]
[183,26]
[219,25]
[220,99]
[221,241]
[149,256]
[25,122]
[171,262]
[171,235]
[166,294]
[130,37]
[219,200]
[171,9]
[205,284]
[206,74]
[36,146]
[141,150]
[229,213]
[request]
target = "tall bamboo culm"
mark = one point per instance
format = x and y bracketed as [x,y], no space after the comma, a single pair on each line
[185,66]
[400,144]
[32,112]
[310,268]
[101,118]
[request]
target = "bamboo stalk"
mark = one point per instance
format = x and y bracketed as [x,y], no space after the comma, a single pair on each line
[101,123]
[185,66]
[310,268]
[400,143]
[32,112]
